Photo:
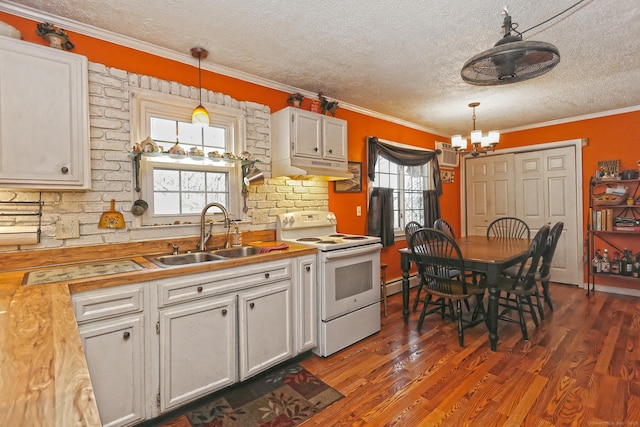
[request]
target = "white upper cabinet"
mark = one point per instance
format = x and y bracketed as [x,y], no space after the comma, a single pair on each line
[44,121]
[318,136]
[308,143]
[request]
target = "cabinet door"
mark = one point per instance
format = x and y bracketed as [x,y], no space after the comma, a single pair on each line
[197,349]
[44,121]
[334,134]
[305,322]
[307,133]
[266,337]
[115,355]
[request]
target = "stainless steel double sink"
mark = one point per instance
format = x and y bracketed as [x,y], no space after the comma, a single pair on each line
[200,257]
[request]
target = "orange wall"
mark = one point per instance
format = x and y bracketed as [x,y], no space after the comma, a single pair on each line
[611,137]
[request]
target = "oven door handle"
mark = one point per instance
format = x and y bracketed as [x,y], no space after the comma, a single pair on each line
[354,252]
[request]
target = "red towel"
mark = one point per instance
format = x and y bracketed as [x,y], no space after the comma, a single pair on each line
[265,249]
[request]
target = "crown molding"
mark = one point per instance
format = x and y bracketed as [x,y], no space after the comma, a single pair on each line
[574,119]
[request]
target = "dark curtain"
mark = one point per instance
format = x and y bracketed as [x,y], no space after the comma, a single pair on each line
[402,156]
[431,207]
[380,215]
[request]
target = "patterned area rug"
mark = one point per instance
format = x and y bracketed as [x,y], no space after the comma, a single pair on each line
[283,397]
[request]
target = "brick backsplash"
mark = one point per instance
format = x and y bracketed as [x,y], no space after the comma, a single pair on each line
[112,176]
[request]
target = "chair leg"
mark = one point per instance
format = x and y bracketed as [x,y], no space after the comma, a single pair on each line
[533,313]
[424,310]
[523,323]
[417,300]
[545,293]
[459,316]
[540,305]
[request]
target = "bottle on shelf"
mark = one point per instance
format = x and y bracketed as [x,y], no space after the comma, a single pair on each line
[636,266]
[596,263]
[627,263]
[606,264]
[615,264]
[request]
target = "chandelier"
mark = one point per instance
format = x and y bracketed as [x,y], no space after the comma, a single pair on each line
[479,143]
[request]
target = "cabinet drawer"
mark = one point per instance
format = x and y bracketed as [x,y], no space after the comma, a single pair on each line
[172,291]
[92,305]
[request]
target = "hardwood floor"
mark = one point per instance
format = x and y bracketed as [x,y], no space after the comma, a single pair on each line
[581,367]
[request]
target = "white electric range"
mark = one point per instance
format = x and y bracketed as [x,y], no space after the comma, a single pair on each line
[348,277]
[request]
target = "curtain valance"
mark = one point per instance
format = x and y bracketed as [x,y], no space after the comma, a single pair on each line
[402,156]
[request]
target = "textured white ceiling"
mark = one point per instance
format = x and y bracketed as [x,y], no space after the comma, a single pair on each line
[401,58]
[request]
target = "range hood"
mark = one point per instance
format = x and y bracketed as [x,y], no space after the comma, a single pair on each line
[310,169]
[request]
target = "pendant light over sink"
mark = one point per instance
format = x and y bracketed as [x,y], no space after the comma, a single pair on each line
[200,116]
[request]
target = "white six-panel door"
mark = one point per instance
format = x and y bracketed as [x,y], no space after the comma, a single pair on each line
[546,183]
[490,191]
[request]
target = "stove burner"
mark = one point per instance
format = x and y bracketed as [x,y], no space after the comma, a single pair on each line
[354,238]
[336,235]
[308,239]
[327,241]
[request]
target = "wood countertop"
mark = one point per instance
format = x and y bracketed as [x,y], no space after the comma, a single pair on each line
[44,379]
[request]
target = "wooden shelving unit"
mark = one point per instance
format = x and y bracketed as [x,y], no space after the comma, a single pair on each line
[611,237]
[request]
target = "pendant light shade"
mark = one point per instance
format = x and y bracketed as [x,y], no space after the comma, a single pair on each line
[200,115]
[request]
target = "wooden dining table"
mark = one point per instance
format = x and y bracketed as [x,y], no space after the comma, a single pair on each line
[488,255]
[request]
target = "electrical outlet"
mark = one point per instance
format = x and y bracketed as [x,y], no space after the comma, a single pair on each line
[259,217]
[68,229]
[358,210]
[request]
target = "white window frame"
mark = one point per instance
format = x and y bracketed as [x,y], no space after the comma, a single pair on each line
[146,104]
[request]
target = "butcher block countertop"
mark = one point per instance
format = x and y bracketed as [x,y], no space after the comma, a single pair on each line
[44,380]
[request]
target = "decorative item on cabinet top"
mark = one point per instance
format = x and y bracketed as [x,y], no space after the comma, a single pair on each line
[328,106]
[55,35]
[9,31]
[295,99]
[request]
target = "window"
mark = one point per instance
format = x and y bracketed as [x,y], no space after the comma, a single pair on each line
[408,183]
[178,187]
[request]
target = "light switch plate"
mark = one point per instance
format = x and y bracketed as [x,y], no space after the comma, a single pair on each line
[358,210]
[68,229]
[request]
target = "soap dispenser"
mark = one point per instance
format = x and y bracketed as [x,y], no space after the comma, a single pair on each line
[236,237]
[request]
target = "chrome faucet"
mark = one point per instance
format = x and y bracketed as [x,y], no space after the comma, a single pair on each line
[203,238]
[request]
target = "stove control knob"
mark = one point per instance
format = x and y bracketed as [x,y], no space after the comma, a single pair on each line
[291,221]
[285,221]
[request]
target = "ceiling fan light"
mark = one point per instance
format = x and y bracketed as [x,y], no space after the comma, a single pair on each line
[510,60]
[200,116]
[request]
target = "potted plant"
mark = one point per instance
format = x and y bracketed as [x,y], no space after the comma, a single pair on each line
[295,99]
[57,37]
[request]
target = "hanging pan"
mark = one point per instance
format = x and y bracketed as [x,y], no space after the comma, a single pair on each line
[111,218]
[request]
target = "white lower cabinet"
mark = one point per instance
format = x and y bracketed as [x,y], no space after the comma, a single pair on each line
[266,336]
[154,346]
[197,349]
[112,330]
